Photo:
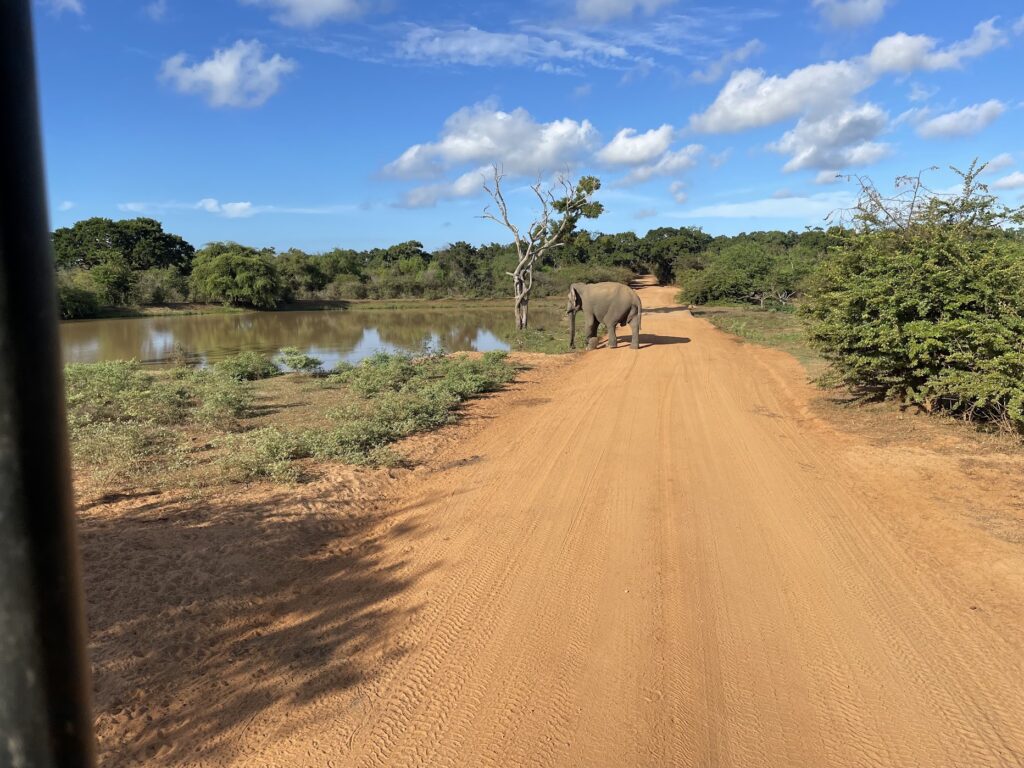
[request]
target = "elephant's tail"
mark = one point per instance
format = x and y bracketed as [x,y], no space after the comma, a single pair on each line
[636,313]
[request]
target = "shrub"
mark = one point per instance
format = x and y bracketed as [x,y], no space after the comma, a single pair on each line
[557,282]
[247,366]
[77,295]
[297,360]
[160,285]
[396,397]
[262,453]
[926,303]
[125,421]
[345,287]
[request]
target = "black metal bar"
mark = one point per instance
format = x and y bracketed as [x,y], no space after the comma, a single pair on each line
[45,702]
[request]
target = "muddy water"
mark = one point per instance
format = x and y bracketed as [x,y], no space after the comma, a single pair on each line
[332,336]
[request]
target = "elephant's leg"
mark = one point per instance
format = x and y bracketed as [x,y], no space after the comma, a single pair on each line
[591,331]
[635,325]
[613,341]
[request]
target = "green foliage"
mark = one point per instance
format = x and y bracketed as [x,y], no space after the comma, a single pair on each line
[557,282]
[236,274]
[124,421]
[158,285]
[77,296]
[390,397]
[540,340]
[297,360]
[141,243]
[247,366]
[924,302]
[763,268]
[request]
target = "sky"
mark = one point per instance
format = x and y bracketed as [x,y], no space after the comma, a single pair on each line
[361,123]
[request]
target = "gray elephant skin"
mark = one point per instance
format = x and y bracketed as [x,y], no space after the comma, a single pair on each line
[609,303]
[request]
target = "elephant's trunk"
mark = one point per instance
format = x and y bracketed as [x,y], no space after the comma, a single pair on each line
[572,330]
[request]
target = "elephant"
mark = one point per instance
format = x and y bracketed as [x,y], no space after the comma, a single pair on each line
[609,303]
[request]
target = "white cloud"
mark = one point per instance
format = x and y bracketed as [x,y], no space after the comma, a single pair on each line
[482,135]
[719,159]
[752,99]
[803,208]
[1000,163]
[830,176]
[309,13]
[964,122]
[919,92]
[678,190]
[1018,26]
[66,205]
[630,148]
[605,10]
[59,6]
[466,185]
[718,68]
[839,140]
[231,210]
[1014,181]
[238,76]
[669,164]
[645,213]
[157,10]
[478,47]
[905,53]
[850,13]
[228,210]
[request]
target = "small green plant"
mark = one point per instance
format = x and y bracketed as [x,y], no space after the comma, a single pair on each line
[297,360]
[248,366]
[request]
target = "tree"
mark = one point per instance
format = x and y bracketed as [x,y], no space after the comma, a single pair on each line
[141,243]
[236,274]
[557,219]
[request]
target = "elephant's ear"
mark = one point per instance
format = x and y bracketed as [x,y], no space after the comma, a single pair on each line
[574,296]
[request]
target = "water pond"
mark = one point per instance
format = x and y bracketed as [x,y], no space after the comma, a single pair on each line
[331,335]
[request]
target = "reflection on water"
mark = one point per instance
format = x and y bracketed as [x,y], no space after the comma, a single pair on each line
[332,336]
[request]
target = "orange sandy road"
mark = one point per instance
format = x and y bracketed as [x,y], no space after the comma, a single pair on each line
[663,559]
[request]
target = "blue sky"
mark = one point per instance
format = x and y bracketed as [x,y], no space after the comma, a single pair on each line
[358,123]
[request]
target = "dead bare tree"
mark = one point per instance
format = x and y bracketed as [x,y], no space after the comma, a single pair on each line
[562,205]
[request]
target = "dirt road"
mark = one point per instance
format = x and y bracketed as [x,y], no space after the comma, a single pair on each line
[662,558]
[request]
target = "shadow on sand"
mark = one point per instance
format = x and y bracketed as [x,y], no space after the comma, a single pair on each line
[665,310]
[646,340]
[205,614]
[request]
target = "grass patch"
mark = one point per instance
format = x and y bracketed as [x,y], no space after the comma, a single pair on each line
[540,340]
[377,403]
[192,427]
[127,424]
[780,329]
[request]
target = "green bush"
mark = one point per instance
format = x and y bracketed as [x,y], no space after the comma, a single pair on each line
[159,285]
[747,271]
[557,282]
[297,360]
[77,295]
[926,304]
[248,366]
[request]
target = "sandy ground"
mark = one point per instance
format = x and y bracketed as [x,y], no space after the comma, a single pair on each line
[663,557]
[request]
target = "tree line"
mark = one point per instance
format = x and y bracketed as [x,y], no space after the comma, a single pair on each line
[103,264]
